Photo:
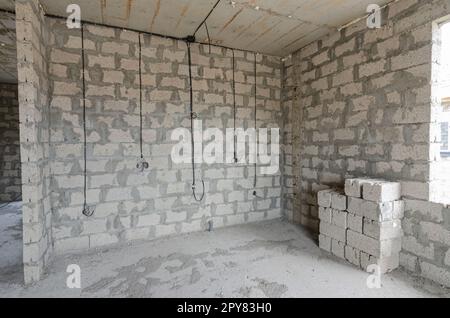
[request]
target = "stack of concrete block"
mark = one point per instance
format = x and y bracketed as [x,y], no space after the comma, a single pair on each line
[363,226]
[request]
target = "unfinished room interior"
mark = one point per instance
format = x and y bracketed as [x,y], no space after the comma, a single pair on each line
[225,149]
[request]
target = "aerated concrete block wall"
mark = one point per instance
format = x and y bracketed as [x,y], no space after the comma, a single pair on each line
[159,202]
[10,166]
[32,41]
[365,99]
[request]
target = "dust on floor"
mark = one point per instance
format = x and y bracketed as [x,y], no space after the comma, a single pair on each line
[269,259]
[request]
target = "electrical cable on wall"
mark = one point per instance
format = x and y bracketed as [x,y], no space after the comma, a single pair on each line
[256,142]
[234,110]
[206,26]
[142,164]
[193,116]
[209,38]
[206,18]
[175,38]
[87,211]
[189,40]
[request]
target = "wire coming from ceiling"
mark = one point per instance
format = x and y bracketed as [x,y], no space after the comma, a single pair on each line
[193,116]
[255,178]
[206,18]
[140,96]
[234,109]
[206,26]
[142,164]
[209,38]
[87,211]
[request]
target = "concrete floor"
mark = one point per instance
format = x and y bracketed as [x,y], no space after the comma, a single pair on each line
[10,243]
[270,259]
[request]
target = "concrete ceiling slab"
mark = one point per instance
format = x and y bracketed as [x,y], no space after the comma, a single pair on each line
[276,27]
[8,48]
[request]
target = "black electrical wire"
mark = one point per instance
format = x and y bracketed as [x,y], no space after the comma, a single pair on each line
[86,210]
[140,96]
[53,16]
[193,116]
[209,38]
[204,21]
[256,143]
[142,164]
[234,110]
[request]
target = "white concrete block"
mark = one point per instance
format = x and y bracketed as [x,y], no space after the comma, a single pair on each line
[71,244]
[102,239]
[164,230]
[355,222]
[376,211]
[193,226]
[339,218]
[325,214]
[371,246]
[148,220]
[353,187]
[353,255]
[338,201]
[365,261]
[384,230]
[333,231]
[325,243]
[137,233]
[412,245]
[382,191]
[385,211]
[408,261]
[386,264]
[324,198]
[355,206]
[338,249]
[437,274]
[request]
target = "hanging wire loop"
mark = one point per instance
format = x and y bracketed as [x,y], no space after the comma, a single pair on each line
[193,116]
[235,159]
[142,164]
[87,211]
[255,194]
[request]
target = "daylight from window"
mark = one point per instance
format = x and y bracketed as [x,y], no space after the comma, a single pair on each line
[444,91]
[440,191]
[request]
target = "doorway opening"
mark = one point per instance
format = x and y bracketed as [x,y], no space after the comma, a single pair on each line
[11,241]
